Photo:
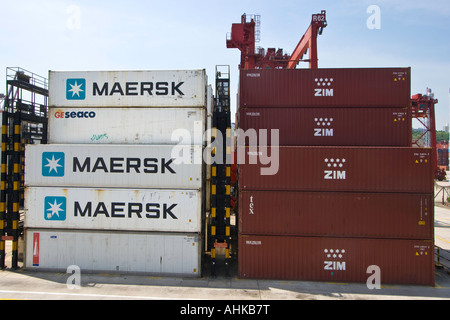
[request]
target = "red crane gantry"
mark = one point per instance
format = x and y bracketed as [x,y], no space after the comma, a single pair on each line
[244,35]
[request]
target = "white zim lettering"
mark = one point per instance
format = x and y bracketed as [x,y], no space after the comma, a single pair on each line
[334,175]
[334,265]
[323,92]
[319,132]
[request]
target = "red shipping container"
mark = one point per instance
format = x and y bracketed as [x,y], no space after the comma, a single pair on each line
[336,259]
[366,215]
[352,169]
[330,126]
[364,87]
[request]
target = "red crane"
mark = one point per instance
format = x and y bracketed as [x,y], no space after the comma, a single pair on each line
[422,107]
[244,36]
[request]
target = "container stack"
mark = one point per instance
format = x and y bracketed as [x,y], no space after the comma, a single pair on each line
[120,186]
[347,193]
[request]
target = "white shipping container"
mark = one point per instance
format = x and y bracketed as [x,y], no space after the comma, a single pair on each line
[126,125]
[114,166]
[151,253]
[172,88]
[113,209]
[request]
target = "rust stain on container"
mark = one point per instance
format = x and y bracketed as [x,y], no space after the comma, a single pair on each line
[336,259]
[366,215]
[361,87]
[352,169]
[330,126]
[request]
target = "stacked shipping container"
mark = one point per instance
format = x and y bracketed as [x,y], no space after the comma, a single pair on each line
[349,192]
[120,187]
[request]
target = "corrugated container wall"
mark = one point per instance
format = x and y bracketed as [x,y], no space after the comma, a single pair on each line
[350,169]
[114,209]
[329,126]
[151,253]
[365,87]
[336,259]
[172,88]
[336,214]
[127,125]
[120,166]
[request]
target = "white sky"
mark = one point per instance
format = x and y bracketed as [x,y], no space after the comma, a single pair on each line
[145,35]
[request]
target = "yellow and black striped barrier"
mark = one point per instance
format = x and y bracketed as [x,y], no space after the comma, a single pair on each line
[3,190]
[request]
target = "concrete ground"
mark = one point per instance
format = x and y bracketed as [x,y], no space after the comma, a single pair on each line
[20,284]
[442,226]
[43,286]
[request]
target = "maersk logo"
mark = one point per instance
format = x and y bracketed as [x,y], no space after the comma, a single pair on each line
[55,208]
[53,164]
[76,89]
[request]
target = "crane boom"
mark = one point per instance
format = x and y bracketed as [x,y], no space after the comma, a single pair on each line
[309,42]
[244,35]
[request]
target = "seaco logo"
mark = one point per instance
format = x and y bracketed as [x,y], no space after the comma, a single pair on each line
[334,260]
[55,208]
[334,172]
[322,88]
[74,114]
[76,89]
[324,127]
[53,164]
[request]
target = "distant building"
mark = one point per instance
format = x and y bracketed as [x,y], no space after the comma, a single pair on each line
[446,127]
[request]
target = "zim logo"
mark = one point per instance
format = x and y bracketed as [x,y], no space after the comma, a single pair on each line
[334,174]
[53,164]
[337,264]
[322,87]
[324,129]
[76,89]
[55,208]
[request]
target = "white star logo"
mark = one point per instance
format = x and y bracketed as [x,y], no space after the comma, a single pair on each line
[53,164]
[76,89]
[55,208]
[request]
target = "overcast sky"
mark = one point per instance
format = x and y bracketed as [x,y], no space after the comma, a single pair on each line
[159,35]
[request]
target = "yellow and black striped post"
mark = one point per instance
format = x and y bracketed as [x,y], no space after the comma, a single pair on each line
[16,193]
[220,230]
[3,190]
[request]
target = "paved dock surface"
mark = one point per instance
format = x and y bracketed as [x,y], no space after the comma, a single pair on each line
[43,286]
[442,226]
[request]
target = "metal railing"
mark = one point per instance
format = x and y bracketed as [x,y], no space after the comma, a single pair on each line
[17,73]
[442,258]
